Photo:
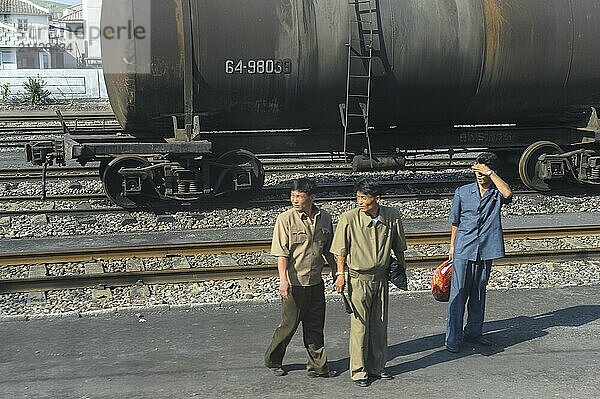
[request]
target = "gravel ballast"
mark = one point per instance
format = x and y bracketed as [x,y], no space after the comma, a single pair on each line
[79,301]
[550,274]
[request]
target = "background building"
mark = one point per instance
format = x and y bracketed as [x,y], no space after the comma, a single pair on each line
[33,37]
[59,44]
[24,35]
[67,32]
[91,18]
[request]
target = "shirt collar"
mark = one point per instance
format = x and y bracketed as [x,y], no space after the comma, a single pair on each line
[367,220]
[475,189]
[316,212]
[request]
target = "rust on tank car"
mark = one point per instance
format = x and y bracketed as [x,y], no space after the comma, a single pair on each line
[494,24]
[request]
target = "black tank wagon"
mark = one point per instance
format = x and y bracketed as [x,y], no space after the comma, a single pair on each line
[375,77]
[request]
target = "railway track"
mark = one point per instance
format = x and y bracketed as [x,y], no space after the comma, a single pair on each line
[47,283]
[415,190]
[89,172]
[204,206]
[19,139]
[35,174]
[89,128]
[309,165]
[51,117]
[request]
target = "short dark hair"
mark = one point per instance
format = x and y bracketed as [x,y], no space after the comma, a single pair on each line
[304,185]
[489,159]
[368,186]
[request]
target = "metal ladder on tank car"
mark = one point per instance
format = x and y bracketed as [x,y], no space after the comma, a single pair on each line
[362,18]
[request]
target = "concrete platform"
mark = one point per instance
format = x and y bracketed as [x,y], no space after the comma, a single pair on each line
[547,345]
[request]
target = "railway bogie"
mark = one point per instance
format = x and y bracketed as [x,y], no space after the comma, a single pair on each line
[545,165]
[131,181]
[140,174]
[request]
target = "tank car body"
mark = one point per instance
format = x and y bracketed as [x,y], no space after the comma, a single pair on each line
[273,64]
[275,76]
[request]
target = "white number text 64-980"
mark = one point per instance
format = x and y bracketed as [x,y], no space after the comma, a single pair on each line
[258,67]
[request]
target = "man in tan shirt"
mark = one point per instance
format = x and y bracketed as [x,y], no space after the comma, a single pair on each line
[363,240]
[301,241]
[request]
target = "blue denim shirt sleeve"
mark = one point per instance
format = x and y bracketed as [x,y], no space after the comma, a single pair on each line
[454,217]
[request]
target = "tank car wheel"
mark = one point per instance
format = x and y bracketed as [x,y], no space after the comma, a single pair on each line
[241,157]
[102,167]
[528,164]
[113,181]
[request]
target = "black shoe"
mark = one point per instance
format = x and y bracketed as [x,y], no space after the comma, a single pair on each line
[362,383]
[386,376]
[278,371]
[328,374]
[453,348]
[481,340]
[383,376]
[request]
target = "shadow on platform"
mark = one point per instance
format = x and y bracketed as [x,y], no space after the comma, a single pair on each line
[503,333]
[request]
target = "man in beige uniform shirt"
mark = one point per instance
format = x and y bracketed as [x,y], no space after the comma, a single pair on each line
[363,240]
[301,239]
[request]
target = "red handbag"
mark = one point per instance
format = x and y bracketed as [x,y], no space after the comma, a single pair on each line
[440,281]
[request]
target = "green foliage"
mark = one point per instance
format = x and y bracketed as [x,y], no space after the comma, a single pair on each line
[34,93]
[4,93]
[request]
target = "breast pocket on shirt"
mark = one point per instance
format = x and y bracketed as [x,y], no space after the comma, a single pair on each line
[298,236]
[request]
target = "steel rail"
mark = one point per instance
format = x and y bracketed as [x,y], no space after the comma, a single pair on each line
[161,250]
[291,167]
[204,206]
[66,197]
[187,275]
[280,190]
[207,206]
[89,129]
[51,176]
[51,116]
[30,174]
[5,172]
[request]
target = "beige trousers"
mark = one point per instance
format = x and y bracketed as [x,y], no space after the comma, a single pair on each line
[368,325]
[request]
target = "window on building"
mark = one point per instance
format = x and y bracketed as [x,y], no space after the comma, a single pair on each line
[7,58]
[45,61]
[4,18]
[22,24]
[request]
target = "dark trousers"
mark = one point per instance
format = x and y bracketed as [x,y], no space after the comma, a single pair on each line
[306,305]
[469,282]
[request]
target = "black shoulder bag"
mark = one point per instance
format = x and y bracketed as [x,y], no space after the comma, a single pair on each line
[396,274]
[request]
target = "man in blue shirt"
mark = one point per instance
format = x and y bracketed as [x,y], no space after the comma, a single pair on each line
[475,241]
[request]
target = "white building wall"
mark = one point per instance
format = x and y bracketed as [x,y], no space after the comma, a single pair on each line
[19,39]
[91,16]
[37,28]
[63,84]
